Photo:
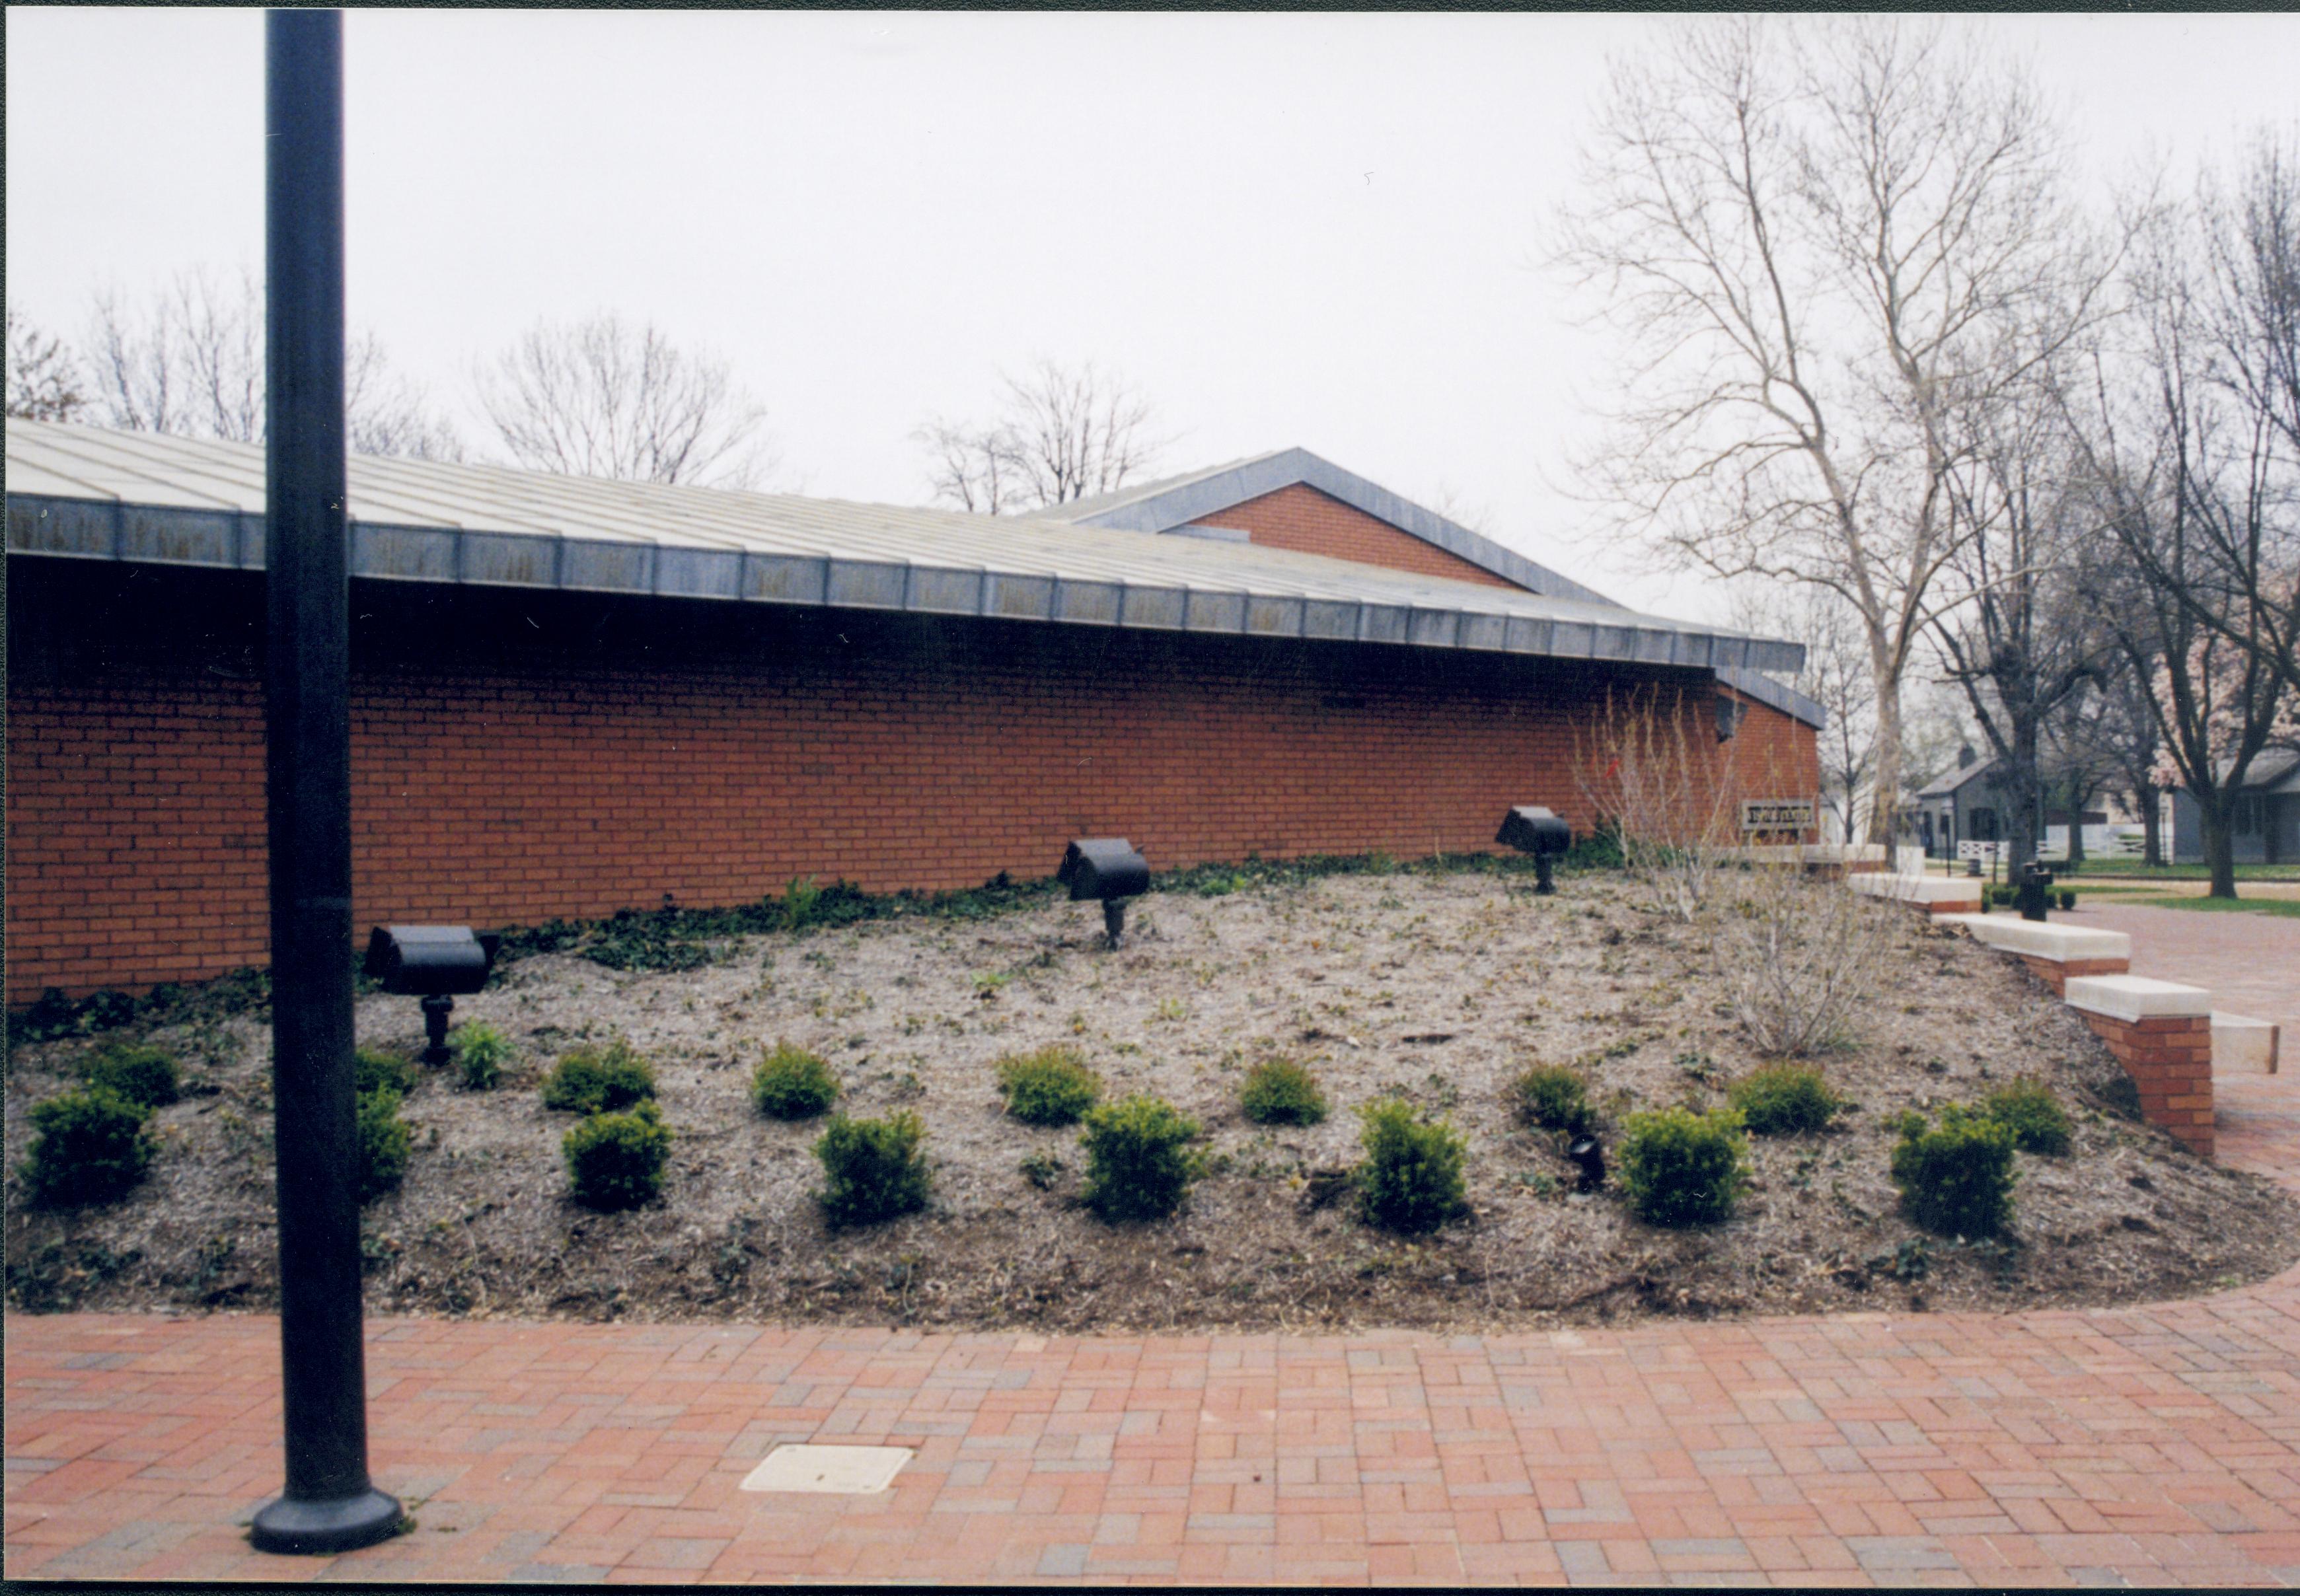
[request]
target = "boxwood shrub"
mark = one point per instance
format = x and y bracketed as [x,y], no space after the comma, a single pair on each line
[1555,1097]
[1051,1087]
[136,1072]
[599,1080]
[1411,1177]
[791,1083]
[1280,1092]
[1956,1178]
[375,1070]
[615,1161]
[2033,1114]
[1679,1167]
[87,1146]
[1783,1100]
[1138,1160]
[872,1168]
[384,1140]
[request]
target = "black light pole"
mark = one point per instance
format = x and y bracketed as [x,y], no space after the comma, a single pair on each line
[330,1504]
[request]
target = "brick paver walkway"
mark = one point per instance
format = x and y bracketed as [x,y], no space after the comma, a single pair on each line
[2155,1445]
[2249,962]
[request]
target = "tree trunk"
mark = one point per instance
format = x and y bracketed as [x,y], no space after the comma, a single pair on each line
[1885,802]
[2021,787]
[2220,843]
[2151,805]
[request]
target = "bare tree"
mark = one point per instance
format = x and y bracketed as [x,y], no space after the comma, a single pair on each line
[2183,476]
[2236,276]
[1821,255]
[1062,433]
[188,360]
[2019,641]
[601,398]
[43,376]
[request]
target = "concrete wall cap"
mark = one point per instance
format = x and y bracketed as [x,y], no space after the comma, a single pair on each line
[2243,1046]
[2061,945]
[1915,889]
[2138,997]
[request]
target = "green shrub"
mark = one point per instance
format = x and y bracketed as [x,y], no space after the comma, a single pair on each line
[615,1161]
[136,1072]
[375,1070]
[1051,1086]
[1680,1168]
[2033,1114]
[599,1081]
[384,1139]
[1138,1162]
[1280,1092]
[87,1146]
[1783,1100]
[1411,1178]
[873,1169]
[2001,896]
[793,1083]
[1553,1097]
[481,1051]
[2068,899]
[1956,1179]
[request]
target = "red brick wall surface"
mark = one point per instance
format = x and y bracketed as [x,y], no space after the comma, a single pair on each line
[1302,517]
[717,753]
[2171,1062]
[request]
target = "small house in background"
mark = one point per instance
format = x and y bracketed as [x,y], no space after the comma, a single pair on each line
[1972,804]
[571,697]
[2266,823]
[1967,805]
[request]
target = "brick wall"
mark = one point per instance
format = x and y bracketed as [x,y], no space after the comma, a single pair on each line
[1302,517]
[2171,1062]
[518,757]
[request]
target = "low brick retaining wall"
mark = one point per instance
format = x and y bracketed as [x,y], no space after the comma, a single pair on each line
[2161,1033]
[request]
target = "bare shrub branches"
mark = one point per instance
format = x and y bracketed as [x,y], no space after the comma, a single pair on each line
[1799,956]
[1664,789]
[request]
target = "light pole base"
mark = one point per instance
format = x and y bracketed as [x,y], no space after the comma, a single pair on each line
[318,1528]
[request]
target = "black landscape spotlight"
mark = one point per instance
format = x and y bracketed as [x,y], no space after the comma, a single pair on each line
[1109,869]
[1587,1152]
[1530,829]
[436,963]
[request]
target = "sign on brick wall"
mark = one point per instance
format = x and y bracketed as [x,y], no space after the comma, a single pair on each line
[1776,814]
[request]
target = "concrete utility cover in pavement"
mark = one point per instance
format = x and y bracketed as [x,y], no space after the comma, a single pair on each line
[844,1470]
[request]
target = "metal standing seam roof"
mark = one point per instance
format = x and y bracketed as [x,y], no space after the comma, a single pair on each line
[91,492]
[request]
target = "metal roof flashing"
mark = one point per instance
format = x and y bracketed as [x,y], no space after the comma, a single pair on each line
[86,493]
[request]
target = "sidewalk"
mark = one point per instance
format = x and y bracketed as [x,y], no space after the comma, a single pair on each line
[2157,1445]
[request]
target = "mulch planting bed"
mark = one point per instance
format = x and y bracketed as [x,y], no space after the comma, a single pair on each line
[1438,985]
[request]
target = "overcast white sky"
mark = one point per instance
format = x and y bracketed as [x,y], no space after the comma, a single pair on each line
[1285,230]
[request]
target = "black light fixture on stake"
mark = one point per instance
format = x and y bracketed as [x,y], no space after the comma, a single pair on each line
[1108,869]
[436,963]
[1530,828]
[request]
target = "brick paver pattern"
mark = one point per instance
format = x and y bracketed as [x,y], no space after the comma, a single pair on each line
[2155,1445]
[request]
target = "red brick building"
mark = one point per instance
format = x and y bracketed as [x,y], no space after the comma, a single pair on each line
[571,697]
